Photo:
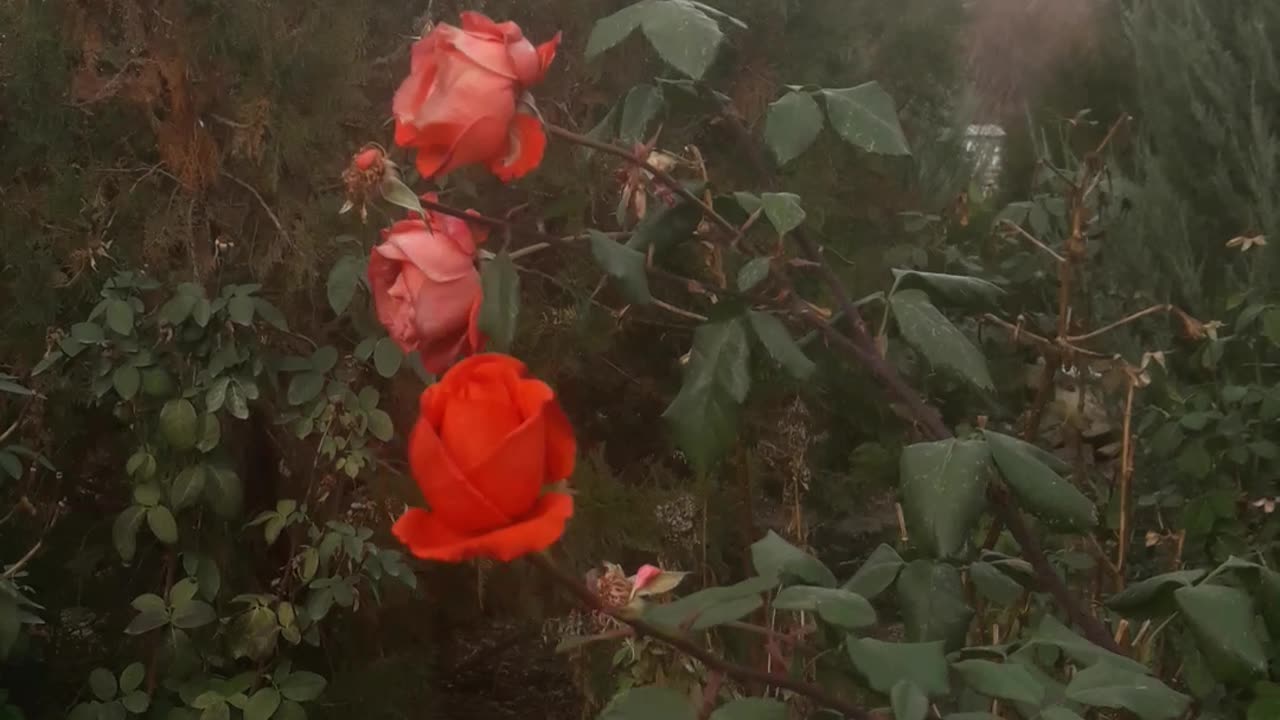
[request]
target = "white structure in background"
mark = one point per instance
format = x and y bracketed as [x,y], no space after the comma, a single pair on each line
[985,143]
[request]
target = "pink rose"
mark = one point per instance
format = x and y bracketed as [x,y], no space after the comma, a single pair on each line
[459,104]
[426,289]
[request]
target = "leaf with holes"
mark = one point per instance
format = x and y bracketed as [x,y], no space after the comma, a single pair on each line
[941,343]
[500,302]
[866,117]
[1045,493]
[944,486]
[793,123]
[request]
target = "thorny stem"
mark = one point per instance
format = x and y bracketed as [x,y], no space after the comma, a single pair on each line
[862,348]
[714,662]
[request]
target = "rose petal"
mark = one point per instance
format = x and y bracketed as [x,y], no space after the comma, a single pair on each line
[436,255]
[526,144]
[478,424]
[429,538]
[511,476]
[445,488]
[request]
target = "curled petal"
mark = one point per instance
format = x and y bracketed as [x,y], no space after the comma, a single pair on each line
[526,144]
[429,538]
[446,490]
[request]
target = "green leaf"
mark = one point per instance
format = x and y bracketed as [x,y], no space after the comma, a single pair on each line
[124,531]
[753,273]
[962,290]
[240,308]
[866,117]
[1053,633]
[11,464]
[944,486]
[624,264]
[783,210]
[262,704]
[193,614]
[1266,703]
[793,123]
[178,309]
[713,606]
[132,676]
[1008,681]
[397,193]
[302,686]
[237,404]
[380,425]
[780,345]
[649,703]
[942,343]
[1222,619]
[162,524]
[217,711]
[682,35]
[187,487]
[838,607]
[877,573]
[611,30]
[750,709]
[500,301]
[704,415]
[324,359]
[304,387]
[1105,685]
[1046,494]
[995,585]
[210,433]
[909,701]
[216,396]
[344,278]
[136,702]
[387,357]
[1269,598]
[1141,595]
[179,425]
[271,314]
[120,317]
[774,557]
[642,105]
[1058,713]
[933,606]
[147,620]
[126,380]
[885,664]
[665,227]
[103,684]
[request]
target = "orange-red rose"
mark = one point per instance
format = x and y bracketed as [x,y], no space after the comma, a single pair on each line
[460,104]
[489,445]
[426,289]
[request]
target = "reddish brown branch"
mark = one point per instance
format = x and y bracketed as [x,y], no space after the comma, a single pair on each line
[714,662]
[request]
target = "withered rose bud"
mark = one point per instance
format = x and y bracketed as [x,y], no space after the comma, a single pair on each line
[363,177]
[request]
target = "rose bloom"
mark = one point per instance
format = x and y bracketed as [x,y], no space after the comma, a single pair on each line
[426,289]
[458,106]
[489,445]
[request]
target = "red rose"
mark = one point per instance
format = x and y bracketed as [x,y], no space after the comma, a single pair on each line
[426,290]
[459,104]
[488,445]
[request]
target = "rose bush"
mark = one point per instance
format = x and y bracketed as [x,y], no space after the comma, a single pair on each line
[426,290]
[461,104]
[488,447]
